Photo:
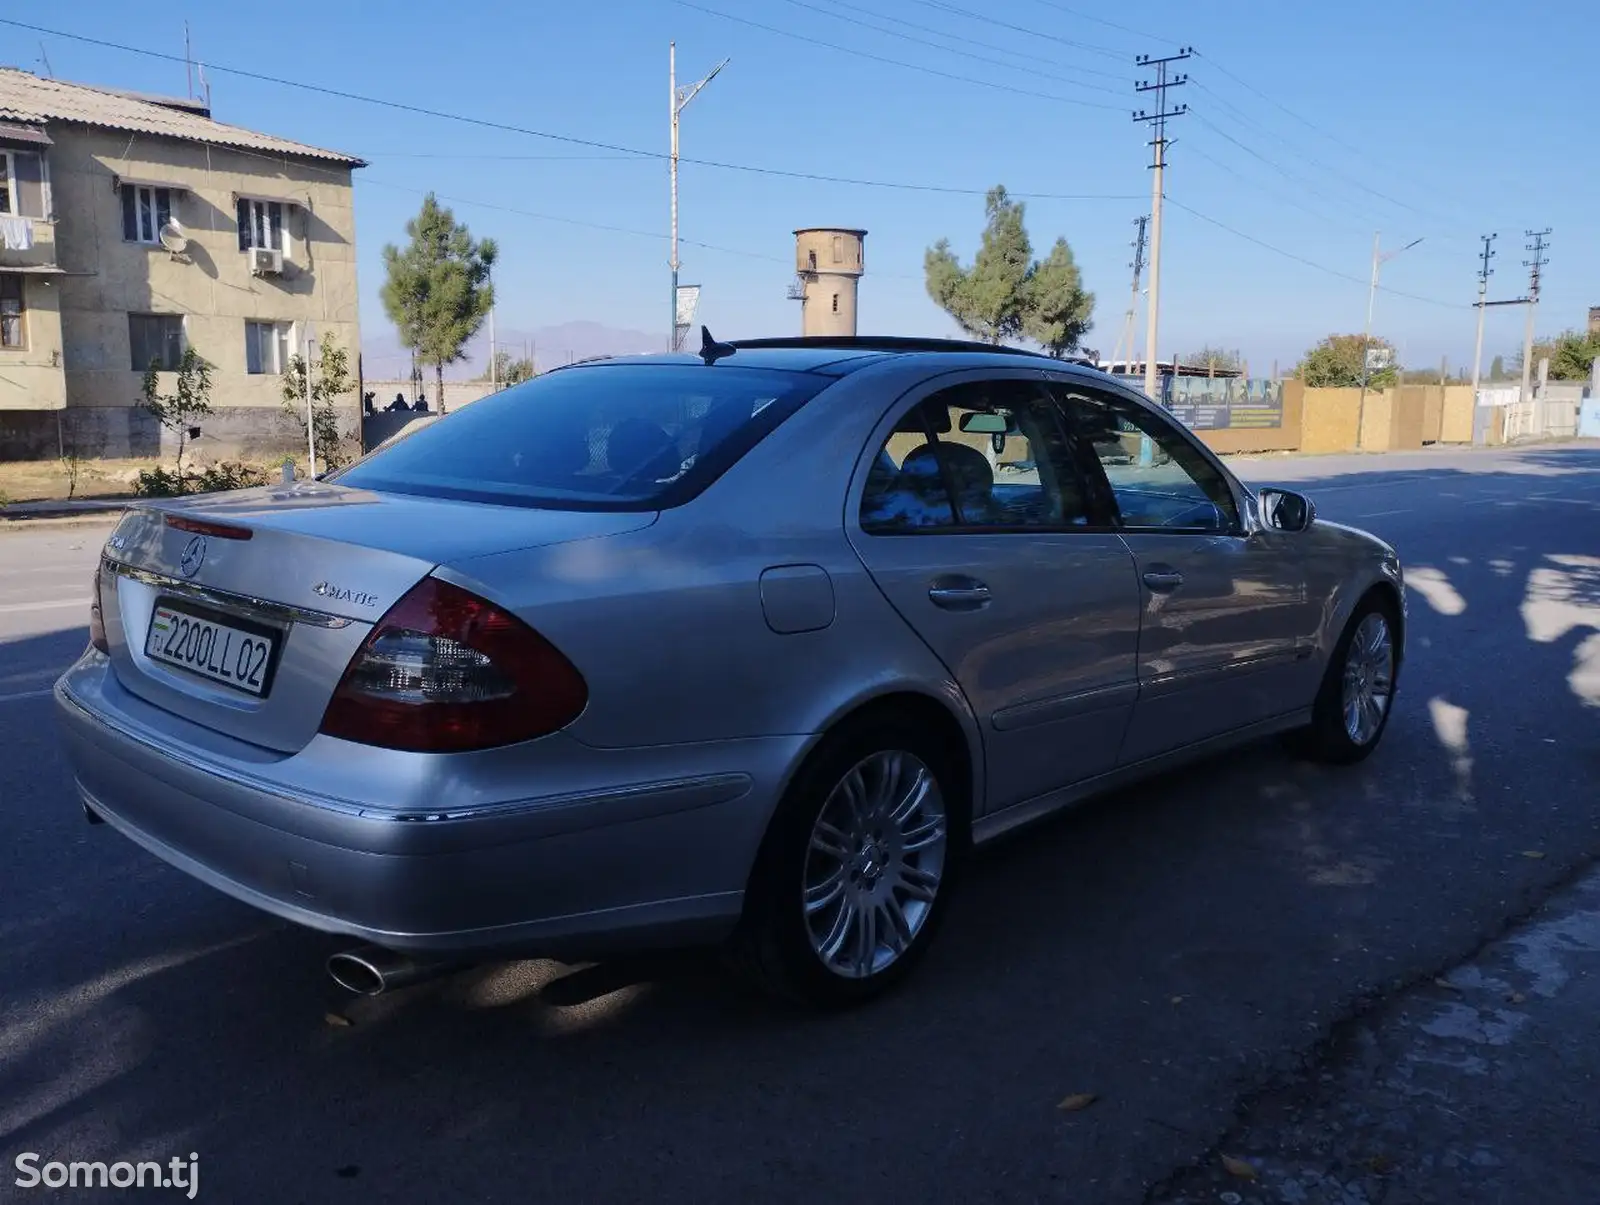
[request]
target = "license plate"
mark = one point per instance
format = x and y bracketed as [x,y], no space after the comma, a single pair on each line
[220,652]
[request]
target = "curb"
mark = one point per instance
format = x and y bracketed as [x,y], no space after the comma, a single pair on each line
[56,517]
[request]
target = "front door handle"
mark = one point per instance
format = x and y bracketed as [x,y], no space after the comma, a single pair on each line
[1163,581]
[959,594]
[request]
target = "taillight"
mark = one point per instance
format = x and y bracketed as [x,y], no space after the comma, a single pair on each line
[97,623]
[446,671]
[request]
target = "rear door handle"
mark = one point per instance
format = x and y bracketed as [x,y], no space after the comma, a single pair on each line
[962,594]
[1163,580]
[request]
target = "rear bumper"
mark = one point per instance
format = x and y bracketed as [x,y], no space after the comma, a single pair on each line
[651,849]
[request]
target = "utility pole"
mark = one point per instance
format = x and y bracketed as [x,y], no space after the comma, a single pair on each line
[680,98]
[494,365]
[1378,260]
[1158,163]
[1125,339]
[1534,267]
[1484,272]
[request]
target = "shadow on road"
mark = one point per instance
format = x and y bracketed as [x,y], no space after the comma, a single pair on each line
[1166,949]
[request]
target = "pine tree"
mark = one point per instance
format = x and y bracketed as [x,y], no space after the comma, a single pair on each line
[1006,294]
[437,291]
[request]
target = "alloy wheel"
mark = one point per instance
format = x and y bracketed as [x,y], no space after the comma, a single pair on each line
[1368,679]
[874,864]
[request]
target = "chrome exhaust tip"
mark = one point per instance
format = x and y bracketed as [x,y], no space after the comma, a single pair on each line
[373,970]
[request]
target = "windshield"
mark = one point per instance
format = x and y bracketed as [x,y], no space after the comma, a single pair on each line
[603,437]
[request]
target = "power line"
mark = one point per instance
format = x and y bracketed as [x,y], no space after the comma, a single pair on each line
[985,18]
[1287,174]
[1072,12]
[1276,103]
[964,53]
[501,156]
[878,58]
[1283,197]
[1310,263]
[567,139]
[964,39]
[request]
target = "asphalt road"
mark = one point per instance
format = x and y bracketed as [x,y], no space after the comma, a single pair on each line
[1173,950]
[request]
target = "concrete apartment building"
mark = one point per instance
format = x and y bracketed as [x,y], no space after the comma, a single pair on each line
[132,227]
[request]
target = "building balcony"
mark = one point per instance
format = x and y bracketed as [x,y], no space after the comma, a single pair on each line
[38,234]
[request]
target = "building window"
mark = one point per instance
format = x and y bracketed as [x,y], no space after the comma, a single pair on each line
[812,255]
[13,330]
[838,248]
[145,210]
[266,347]
[261,225]
[21,184]
[836,303]
[156,339]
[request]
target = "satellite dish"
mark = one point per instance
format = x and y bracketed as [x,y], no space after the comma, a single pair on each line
[173,238]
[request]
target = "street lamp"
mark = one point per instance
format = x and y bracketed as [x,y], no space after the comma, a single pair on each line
[1378,260]
[680,99]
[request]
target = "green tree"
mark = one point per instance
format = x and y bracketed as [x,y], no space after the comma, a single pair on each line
[190,401]
[1057,311]
[329,383]
[1571,354]
[1337,362]
[437,290]
[1497,369]
[1006,294]
[987,300]
[510,371]
[1217,358]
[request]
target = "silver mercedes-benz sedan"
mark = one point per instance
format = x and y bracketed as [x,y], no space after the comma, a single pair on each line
[747,647]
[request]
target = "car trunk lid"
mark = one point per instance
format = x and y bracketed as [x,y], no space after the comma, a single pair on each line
[240,611]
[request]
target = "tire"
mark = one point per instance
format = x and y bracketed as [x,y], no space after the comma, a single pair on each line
[1334,736]
[795,901]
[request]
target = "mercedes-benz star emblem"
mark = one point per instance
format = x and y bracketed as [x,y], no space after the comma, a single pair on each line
[194,555]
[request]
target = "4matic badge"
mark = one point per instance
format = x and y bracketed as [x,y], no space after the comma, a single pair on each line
[335,593]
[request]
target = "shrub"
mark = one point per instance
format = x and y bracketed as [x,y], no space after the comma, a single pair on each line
[158,483]
[229,475]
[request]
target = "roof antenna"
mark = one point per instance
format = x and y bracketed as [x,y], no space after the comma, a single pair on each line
[710,350]
[45,59]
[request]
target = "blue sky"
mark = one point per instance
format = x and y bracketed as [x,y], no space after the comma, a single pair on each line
[1310,127]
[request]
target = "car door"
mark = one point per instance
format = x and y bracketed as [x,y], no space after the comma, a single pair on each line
[1228,625]
[974,519]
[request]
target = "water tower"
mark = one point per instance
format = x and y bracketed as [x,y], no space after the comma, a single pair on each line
[828,266]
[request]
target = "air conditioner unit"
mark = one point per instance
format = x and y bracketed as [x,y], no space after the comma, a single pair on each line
[265,262]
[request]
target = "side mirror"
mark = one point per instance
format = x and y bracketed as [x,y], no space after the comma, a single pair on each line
[1285,510]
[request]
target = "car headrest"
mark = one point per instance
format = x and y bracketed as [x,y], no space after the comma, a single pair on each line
[637,446]
[969,466]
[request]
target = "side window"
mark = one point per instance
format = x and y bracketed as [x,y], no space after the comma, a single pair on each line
[1158,478]
[988,455]
[905,490]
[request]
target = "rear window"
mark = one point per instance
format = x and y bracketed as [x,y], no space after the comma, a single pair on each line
[604,437]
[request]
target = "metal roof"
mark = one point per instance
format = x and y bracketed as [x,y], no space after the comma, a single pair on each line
[25,97]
